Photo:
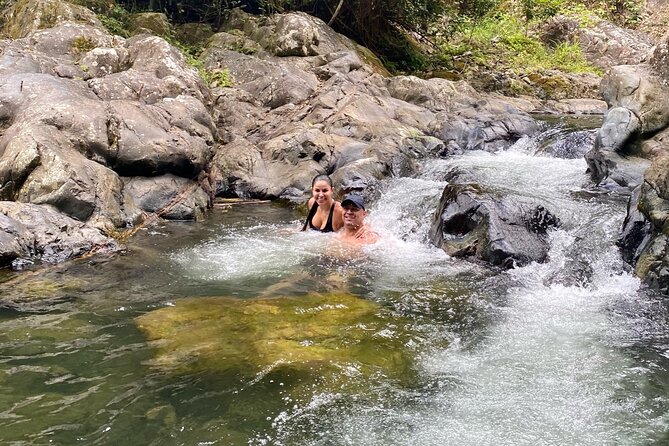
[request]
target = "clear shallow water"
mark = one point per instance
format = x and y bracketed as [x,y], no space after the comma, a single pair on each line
[567,352]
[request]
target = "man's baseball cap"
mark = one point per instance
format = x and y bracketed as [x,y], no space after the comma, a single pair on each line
[355,200]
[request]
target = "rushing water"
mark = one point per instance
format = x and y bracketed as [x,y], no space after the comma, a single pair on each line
[569,352]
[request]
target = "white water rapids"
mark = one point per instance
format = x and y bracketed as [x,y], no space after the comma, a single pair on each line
[549,370]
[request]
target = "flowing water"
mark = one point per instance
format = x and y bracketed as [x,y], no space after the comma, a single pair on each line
[242,330]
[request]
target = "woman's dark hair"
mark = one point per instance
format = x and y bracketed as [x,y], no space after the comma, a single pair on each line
[322,177]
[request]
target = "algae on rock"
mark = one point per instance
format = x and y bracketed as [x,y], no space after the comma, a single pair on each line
[311,335]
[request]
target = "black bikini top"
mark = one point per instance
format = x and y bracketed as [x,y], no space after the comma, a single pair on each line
[328,225]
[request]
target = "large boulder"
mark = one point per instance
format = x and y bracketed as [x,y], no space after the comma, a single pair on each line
[169,196]
[41,232]
[607,45]
[470,222]
[334,114]
[636,96]
[15,240]
[293,34]
[24,17]
[78,109]
[150,22]
[272,83]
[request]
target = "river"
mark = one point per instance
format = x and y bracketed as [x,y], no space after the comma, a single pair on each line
[240,330]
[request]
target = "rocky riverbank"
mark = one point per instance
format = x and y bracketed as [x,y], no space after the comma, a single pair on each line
[99,133]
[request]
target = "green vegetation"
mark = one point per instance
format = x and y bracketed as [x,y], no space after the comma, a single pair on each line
[450,38]
[82,44]
[116,20]
[502,43]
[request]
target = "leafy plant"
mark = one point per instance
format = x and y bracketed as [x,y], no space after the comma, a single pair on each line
[116,20]
[221,78]
[82,44]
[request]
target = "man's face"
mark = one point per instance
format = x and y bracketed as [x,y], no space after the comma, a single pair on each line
[353,216]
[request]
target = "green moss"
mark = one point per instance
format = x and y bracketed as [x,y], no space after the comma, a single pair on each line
[30,288]
[82,44]
[319,334]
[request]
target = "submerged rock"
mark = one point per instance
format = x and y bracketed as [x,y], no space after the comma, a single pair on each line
[253,337]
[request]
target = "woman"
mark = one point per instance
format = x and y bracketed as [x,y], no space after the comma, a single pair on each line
[325,214]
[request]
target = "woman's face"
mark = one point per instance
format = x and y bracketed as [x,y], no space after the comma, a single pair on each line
[322,192]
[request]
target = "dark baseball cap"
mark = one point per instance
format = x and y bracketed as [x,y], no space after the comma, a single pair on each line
[355,200]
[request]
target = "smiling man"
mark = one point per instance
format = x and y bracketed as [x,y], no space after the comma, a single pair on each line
[355,231]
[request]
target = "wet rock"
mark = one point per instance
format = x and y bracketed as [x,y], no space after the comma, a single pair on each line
[15,240]
[46,235]
[612,171]
[470,222]
[260,336]
[172,197]
[636,231]
[566,143]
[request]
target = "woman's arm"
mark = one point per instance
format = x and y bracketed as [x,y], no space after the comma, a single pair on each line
[337,217]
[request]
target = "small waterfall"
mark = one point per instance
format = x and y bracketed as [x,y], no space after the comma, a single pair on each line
[553,364]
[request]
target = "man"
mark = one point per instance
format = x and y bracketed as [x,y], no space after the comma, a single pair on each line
[355,231]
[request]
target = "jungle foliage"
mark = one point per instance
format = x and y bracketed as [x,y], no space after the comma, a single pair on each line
[419,35]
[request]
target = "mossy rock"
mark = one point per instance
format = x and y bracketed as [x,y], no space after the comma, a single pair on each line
[306,335]
[27,16]
[193,34]
[31,288]
[233,42]
[150,22]
[372,60]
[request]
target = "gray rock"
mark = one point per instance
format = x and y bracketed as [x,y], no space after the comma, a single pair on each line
[273,84]
[636,231]
[292,34]
[608,45]
[604,45]
[27,16]
[46,235]
[15,240]
[171,197]
[470,222]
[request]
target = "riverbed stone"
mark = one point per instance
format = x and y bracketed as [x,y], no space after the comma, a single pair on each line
[24,17]
[304,335]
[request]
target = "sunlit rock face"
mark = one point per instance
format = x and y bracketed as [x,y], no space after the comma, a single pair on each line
[305,100]
[325,334]
[79,108]
[637,124]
